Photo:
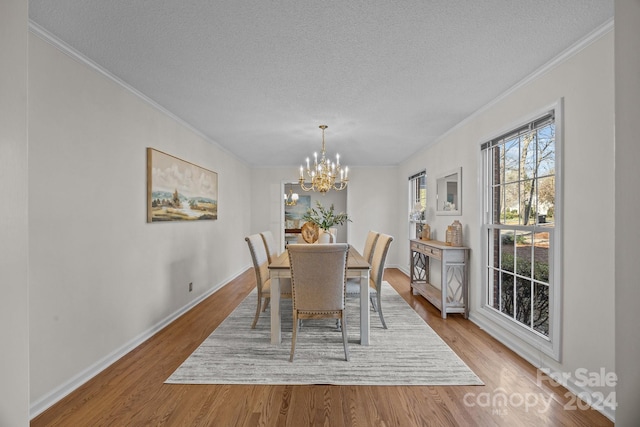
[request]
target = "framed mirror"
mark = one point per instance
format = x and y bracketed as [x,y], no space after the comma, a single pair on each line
[449,193]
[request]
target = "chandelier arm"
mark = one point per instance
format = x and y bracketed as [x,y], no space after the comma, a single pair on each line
[306,188]
[342,186]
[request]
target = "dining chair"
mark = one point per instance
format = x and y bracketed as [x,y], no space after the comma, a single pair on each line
[270,245]
[272,253]
[318,282]
[369,244]
[378,258]
[261,267]
[353,284]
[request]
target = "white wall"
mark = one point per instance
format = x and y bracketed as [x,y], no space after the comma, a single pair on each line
[375,203]
[627,206]
[14,277]
[585,81]
[102,277]
[266,208]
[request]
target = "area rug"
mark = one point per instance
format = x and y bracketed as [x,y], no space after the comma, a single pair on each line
[409,352]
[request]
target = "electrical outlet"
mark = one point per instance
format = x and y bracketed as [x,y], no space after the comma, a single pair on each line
[190,286]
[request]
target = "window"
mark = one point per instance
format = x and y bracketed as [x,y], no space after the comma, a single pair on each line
[521,279]
[417,200]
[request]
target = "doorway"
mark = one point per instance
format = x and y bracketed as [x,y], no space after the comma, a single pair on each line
[292,213]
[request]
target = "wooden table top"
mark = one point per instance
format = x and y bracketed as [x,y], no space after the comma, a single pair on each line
[438,244]
[355,261]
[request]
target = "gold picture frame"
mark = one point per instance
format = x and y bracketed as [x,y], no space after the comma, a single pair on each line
[178,190]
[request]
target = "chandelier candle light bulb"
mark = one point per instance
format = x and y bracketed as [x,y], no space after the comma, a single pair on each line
[324,173]
[291,199]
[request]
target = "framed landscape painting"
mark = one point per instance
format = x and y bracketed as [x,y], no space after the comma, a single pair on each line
[293,214]
[296,211]
[178,190]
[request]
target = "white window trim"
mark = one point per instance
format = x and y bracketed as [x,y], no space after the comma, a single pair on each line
[497,324]
[412,223]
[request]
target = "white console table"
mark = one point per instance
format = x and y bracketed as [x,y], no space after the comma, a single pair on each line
[453,294]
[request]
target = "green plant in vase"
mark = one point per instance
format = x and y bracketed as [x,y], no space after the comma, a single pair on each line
[325,218]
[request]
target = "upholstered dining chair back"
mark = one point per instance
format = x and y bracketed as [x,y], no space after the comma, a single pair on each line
[270,245]
[263,282]
[369,244]
[318,279]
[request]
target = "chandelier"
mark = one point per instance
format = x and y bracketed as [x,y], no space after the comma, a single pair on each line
[291,199]
[323,174]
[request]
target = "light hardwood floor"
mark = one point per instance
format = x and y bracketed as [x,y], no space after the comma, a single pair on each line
[132,392]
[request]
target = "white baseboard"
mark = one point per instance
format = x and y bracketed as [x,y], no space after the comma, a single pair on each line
[55,395]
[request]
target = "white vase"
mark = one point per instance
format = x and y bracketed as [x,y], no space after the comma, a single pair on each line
[326,237]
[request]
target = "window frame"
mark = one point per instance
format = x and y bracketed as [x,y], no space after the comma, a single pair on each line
[413,189]
[552,344]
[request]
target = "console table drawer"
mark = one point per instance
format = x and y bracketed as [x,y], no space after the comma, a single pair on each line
[415,246]
[426,249]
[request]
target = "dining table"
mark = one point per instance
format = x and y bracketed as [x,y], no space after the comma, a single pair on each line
[357,267]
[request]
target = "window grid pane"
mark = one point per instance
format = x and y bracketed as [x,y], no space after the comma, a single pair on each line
[521,194]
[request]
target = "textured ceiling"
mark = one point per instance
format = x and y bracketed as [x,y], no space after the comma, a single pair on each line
[258,77]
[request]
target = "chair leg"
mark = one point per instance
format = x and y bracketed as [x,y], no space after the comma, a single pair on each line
[255,319]
[266,304]
[294,335]
[384,325]
[343,320]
